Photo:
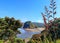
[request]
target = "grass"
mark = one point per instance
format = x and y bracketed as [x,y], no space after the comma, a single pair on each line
[1,41]
[58,41]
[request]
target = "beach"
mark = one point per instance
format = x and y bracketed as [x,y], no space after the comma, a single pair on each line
[35,29]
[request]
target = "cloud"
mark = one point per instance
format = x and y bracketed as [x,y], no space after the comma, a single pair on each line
[40,21]
[24,19]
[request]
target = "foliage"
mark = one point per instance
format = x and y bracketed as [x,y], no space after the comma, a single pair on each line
[1,41]
[54,28]
[50,24]
[16,41]
[9,27]
[52,31]
[36,37]
[53,7]
[51,35]
[49,14]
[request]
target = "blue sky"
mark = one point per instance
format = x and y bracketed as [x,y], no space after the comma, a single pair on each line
[25,10]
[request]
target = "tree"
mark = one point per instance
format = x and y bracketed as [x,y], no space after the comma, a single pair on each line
[9,28]
[49,13]
[49,23]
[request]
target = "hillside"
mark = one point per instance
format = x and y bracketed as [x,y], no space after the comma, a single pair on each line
[38,24]
[30,24]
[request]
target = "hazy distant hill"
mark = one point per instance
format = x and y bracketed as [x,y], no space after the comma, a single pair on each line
[32,25]
[38,24]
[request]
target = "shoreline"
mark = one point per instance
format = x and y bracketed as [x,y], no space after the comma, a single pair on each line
[35,29]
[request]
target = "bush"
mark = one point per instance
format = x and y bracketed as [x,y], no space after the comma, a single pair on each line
[54,28]
[19,41]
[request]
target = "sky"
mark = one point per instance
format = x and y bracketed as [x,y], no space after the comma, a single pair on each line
[25,10]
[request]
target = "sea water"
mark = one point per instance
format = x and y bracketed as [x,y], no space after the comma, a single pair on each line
[26,34]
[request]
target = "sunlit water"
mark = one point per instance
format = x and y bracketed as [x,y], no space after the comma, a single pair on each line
[26,34]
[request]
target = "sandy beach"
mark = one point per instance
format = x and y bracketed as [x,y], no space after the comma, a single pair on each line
[35,29]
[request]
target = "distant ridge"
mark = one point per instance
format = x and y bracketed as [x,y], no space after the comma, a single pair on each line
[38,24]
[32,25]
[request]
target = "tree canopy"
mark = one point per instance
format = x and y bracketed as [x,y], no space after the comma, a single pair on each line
[9,27]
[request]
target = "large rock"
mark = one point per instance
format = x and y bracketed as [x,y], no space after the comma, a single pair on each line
[28,24]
